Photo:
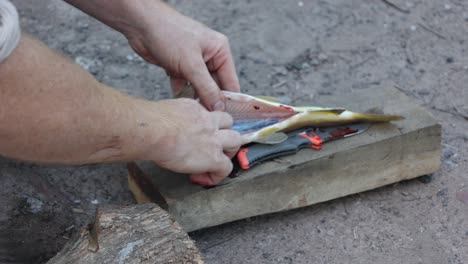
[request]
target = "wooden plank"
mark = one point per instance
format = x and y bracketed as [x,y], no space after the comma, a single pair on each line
[385,154]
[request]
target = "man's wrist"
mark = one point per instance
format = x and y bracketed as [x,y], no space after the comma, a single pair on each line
[150,129]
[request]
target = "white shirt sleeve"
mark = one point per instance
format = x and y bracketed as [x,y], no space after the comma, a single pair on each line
[9,29]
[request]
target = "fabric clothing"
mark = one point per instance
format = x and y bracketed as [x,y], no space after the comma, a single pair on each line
[9,29]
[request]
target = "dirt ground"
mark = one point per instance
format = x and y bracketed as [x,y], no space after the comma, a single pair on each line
[291,49]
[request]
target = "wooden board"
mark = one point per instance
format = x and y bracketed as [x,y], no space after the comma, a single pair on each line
[385,154]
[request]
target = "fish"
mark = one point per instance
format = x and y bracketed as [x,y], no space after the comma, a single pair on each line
[266,120]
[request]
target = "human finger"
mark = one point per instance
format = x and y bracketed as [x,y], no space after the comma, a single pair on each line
[231,141]
[226,71]
[223,119]
[206,88]
[214,177]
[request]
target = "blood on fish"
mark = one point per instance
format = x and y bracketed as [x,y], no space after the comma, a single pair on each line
[286,107]
[341,132]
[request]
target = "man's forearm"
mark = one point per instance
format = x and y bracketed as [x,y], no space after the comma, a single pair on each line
[125,16]
[53,111]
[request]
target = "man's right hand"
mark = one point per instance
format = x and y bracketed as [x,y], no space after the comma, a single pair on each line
[192,140]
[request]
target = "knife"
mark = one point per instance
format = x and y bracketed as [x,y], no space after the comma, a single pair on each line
[310,137]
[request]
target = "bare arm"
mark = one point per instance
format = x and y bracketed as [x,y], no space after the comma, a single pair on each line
[52,111]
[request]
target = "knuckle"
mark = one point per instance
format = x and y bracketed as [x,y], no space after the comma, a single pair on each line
[191,69]
[223,39]
[211,89]
[228,118]
[227,167]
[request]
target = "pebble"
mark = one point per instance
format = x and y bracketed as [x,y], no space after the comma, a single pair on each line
[35,205]
[134,57]
[448,154]
[88,64]
[322,57]
[443,194]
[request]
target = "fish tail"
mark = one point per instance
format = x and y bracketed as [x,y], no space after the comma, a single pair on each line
[376,117]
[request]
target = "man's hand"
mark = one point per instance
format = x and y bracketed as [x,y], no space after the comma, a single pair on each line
[186,49]
[194,140]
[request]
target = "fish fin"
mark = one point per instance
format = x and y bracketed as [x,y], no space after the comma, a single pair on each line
[273,138]
[186,92]
[334,111]
[377,117]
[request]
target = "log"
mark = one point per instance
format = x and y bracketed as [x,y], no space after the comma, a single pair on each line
[130,235]
[385,154]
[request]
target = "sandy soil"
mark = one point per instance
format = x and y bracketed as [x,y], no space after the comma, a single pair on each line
[291,49]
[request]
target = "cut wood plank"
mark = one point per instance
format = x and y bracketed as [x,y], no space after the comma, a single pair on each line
[385,154]
[132,235]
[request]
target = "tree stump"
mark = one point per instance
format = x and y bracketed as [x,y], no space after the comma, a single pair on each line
[133,234]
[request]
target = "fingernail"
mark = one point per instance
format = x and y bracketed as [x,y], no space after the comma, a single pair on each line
[219,106]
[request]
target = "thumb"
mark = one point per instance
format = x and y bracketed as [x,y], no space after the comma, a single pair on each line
[207,90]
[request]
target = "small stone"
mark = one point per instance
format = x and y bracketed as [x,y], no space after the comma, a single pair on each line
[35,205]
[423,92]
[78,210]
[447,7]
[280,70]
[448,154]
[95,201]
[443,194]
[449,60]
[134,57]
[88,64]
[413,27]
[300,3]
[322,57]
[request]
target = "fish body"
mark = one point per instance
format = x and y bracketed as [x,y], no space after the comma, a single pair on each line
[266,120]
[257,119]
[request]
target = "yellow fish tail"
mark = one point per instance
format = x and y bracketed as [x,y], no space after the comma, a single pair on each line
[376,117]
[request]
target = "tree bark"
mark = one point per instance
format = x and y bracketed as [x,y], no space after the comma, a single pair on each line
[133,234]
